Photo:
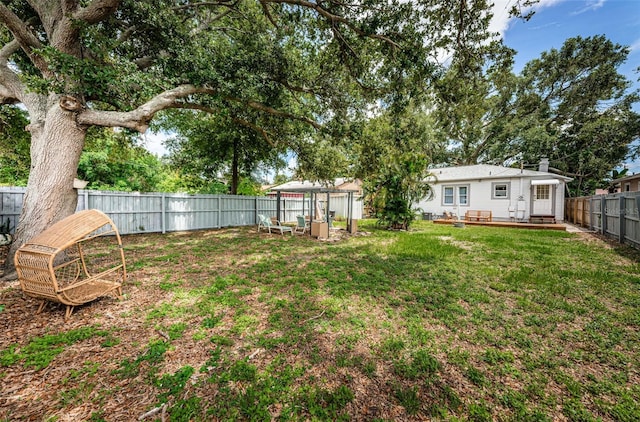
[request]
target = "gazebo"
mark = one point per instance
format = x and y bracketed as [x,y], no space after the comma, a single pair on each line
[314,191]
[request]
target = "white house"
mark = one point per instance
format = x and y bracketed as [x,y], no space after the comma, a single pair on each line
[511,194]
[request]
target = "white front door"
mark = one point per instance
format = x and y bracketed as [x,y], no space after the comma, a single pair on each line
[542,201]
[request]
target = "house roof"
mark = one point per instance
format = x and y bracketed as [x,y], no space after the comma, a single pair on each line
[627,178]
[487,171]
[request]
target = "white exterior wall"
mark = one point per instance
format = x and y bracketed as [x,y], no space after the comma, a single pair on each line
[560,202]
[481,198]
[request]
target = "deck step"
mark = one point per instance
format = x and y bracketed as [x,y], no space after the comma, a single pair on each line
[542,219]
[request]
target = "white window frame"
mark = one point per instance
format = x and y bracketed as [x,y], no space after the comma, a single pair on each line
[445,196]
[507,190]
[545,190]
[456,195]
[459,197]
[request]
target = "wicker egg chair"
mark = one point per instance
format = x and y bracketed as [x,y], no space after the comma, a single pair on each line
[73,262]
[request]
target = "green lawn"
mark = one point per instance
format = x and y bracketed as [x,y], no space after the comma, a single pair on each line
[475,323]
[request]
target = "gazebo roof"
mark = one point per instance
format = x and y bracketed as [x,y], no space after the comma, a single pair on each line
[307,186]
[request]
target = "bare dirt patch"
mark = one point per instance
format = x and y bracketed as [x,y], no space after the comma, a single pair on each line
[458,243]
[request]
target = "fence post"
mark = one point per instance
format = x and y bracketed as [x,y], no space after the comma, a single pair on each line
[219,210]
[163,213]
[255,211]
[590,226]
[570,210]
[623,205]
[603,214]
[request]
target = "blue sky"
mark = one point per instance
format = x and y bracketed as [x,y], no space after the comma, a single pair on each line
[557,20]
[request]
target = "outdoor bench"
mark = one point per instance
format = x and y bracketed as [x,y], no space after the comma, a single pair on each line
[478,215]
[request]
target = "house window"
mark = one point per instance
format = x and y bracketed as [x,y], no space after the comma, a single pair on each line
[447,197]
[542,192]
[500,190]
[627,187]
[463,195]
[455,195]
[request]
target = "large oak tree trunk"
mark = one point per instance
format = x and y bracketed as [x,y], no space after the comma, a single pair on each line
[56,145]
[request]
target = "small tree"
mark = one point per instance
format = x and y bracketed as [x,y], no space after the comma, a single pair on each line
[392,156]
[400,184]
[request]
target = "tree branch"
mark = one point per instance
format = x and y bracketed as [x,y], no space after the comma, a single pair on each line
[267,12]
[126,34]
[7,51]
[67,6]
[97,11]
[274,112]
[237,120]
[7,96]
[9,83]
[27,40]
[228,3]
[296,88]
[255,127]
[334,18]
[139,118]
[564,173]
[144,62]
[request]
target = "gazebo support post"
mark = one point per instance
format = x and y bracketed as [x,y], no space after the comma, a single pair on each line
[349,210]
[278,195]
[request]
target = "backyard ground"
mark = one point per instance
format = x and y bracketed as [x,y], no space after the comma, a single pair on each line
[443,323]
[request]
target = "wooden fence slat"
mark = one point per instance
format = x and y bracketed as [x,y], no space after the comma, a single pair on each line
[614,215]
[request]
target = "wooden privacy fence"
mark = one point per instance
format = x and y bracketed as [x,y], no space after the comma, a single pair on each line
[164,212]
[615,215]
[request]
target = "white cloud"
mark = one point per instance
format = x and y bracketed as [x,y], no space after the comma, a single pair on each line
[590,5]
[501,19]
[154,142]
[633,166]
[635,46]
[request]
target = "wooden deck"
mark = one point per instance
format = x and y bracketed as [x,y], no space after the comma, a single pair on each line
[513,224]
